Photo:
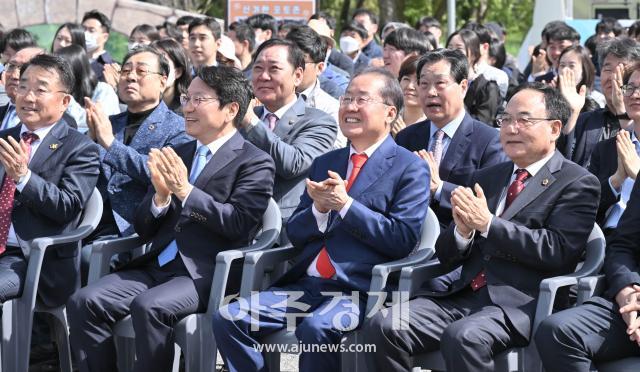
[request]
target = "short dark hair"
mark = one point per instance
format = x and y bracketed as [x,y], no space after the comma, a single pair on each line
[471,44]
[244,32]
[53,63]
[459,65]
[484,34]
[564,32]
[609,24]
[17,39]
[331,21]
[185,20]
[295,56]
[162,61]
[263,22]
[100,17]
[555,104]
[428,21]
[363,11]
[230,85]
[209,23]
[409,66]
[634,30]
[588,69]
[621,47]
[391,92]
[498,52]
[75,30]
[408,40]
[356,27]
[550,28]
[309,42]
[149,31]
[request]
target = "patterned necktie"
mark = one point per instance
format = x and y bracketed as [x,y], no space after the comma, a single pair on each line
[7,195]
[323,263]
[271,119]
[513,191]
[436,148]
[199,161]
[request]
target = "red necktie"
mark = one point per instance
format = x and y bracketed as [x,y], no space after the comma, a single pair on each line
[7,194]
[323,263]
[513,191]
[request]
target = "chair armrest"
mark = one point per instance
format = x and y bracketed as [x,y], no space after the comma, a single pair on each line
[413,277]
[103,250]
[590,286]
[255,264]
[380,275]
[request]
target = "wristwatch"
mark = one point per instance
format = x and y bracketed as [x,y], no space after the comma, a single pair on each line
[623,116]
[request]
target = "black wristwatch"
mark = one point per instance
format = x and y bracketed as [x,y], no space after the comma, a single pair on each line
[624,116]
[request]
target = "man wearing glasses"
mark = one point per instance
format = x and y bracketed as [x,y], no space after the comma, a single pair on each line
[126,138]
[510,231]
[453,144]
[208,195]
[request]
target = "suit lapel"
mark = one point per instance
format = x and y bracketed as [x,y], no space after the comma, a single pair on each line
[459,143]
[536,186]
[148,127]
[494,187]
[379,163]
[50,143]
[219,160]
[290,118]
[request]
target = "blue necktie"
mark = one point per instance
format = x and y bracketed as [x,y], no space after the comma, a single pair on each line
[199,161]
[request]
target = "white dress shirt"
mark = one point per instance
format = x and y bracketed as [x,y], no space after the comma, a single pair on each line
[449,130]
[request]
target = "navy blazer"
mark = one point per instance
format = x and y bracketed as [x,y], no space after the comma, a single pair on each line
[64,172]
[531,240]
[581,142]
[475,145]
[603,164]
[125,176]
[391,196]
[301,135]
[223,211]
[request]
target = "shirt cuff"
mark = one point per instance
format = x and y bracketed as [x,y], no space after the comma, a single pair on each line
[321,218]
[484,234]
[461,241]
[159,211]
[438,192]
[23,181]
[345,209]
[616,193]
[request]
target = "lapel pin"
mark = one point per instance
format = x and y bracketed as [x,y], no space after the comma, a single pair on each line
[53,146]
[152,126]
[545,182]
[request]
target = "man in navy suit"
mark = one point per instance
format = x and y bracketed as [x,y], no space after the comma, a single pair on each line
[510,232]
[208,196]
[342,229]
[465,144]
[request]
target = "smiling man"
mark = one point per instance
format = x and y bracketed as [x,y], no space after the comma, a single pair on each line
[285,128]
[208,195]
[452,143]
[363,205]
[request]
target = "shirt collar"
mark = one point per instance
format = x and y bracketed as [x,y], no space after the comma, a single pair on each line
[308,92]
[369,151]
[279,112]
[40,132]
[534,168]
[451,127]
[216,144]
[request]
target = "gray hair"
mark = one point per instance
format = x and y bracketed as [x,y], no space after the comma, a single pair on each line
[624,48]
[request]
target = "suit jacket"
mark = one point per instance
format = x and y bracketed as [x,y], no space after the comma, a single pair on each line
[223,211]
[580,143]
[340,60]
[70,121]
[64,172]
[333,82]
[301,135]
[363,61]
[125,177]
[603,164]
[622,260]
[383,223]
[531,240]
[474,146]
[98,64]
[321,100]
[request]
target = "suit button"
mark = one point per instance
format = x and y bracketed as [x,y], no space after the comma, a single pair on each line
[178,228]
[487,257]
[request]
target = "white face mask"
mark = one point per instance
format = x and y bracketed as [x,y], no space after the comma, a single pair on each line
[90,41]
[132,46]
[172,77]
[349,44]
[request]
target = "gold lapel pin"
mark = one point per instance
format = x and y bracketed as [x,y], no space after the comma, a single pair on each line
[152,126]
[53,146]
[545,182]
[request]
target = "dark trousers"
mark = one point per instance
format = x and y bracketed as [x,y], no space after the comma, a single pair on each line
[321,319]
[467,327]
[156,297]
[574,339]
[13,271]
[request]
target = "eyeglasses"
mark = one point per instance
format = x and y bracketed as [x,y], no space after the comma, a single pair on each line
[195,101]
[38,92]
[628,90]
[10,67]
[521,122]
[140,71]
[359,101]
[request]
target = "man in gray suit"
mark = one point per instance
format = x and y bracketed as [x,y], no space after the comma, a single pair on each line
[293,134]
[509,233]
[125,139]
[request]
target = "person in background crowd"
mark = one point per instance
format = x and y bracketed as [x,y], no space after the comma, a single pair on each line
[227,53]
[352,39]
[432,25]
[370,47]
[402,43]
[412,111]
[244,41]
[204,41]
[68,34]
[179,77]
[183,25]
[333,80]
[483,67]
[142,35]
[558,38]
[96,33]
[264,26]
[15,40]
[576,71]
[324,24]
[389,28]
[634,31]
